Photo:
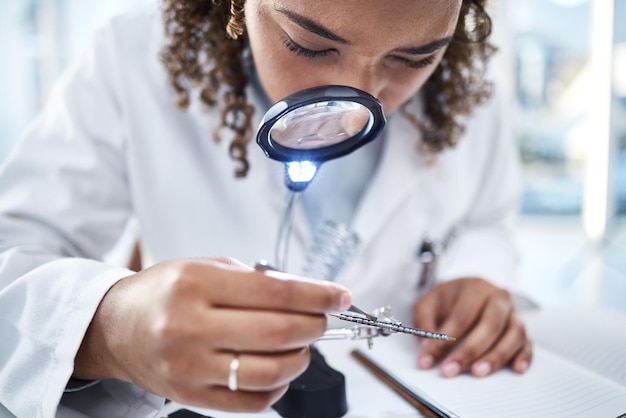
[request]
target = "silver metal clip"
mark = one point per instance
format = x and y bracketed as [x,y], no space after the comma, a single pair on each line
[384,324]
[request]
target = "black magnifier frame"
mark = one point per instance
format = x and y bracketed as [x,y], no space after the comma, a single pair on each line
[320,94]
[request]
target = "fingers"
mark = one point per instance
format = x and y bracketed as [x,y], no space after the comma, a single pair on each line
[242,401]
[425,316]
[522,360]
[462,318]
[256,372]
[261,331]
[490,324]
[482,317]
[513,341]
[223,399]
[425,311]
[259,372]
[261,380]
[235,286]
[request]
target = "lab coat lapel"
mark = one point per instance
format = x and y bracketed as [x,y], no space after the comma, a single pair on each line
[398,172]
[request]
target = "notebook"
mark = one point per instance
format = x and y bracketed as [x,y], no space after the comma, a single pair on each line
[578,370]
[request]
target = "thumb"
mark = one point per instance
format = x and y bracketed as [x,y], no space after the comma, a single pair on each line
[426,314]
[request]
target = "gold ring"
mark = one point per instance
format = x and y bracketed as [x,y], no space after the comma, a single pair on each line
[232,374]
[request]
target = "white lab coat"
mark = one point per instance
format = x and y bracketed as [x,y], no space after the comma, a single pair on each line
[111,145]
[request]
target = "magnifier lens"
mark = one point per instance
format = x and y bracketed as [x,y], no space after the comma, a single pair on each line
[320,124]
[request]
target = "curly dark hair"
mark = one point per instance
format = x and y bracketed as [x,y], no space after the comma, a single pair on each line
[206,44]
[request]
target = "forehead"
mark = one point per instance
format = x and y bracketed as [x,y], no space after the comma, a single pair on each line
[403,22]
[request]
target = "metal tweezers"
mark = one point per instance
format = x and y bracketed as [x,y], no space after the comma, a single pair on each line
[381,324]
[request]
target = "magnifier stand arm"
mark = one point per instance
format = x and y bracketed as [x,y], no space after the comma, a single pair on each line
[282,242]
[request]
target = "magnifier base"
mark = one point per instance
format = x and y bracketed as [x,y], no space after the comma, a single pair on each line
[318,392]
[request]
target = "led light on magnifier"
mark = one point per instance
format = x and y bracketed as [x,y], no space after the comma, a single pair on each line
[301,171]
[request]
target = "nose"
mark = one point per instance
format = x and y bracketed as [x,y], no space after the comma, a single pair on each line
[362,76]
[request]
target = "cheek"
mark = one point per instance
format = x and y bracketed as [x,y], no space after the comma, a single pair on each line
[401,90]
[281,73]
[404,85]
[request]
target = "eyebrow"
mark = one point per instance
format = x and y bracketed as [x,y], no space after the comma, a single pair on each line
[316,28]
[311,26]
[426,49]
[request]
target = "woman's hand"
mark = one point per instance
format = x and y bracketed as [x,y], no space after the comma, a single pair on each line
[482,317]
[174,329]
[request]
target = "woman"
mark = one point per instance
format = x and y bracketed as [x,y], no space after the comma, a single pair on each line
[111,146]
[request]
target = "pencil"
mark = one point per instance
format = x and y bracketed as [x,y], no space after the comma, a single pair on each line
[423,406]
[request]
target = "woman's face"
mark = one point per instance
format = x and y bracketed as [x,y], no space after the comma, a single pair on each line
[388,48]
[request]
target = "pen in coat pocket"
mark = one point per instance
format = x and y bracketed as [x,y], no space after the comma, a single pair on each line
[428,254]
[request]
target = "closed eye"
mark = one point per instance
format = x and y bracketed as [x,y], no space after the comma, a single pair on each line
[425,62]
[305,52]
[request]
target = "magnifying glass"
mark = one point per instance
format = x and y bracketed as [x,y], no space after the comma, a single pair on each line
[316,125]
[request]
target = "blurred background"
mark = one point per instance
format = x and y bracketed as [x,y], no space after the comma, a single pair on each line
[565,63]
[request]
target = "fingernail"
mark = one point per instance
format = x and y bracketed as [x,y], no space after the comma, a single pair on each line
[425,361]
[451,369]
[522,366]
[346,301]
[482,369]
